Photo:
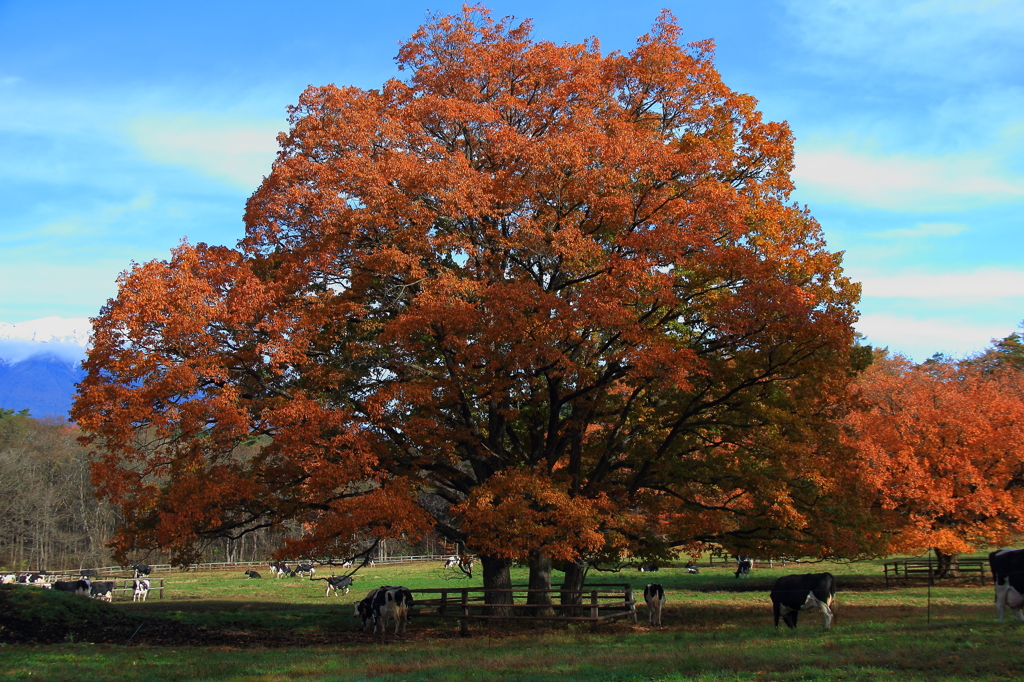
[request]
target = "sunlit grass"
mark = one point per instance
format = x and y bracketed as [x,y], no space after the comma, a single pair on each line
[710,634]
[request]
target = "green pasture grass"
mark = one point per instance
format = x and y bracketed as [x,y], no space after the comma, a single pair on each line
[716,628]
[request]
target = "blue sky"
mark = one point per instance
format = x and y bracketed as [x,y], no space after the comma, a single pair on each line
[127,126]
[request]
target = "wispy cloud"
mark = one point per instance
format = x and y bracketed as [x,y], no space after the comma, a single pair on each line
[922,230]
[983,283]
[902,182]
[235,150]
[949,39]
[921,338]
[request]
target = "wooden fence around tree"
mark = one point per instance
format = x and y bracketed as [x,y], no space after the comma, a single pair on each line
[599,604]
[928,570]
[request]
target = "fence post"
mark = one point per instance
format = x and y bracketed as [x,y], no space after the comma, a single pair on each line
[593,611]
[464,621]
[631,603]
[444,602]
[161,588]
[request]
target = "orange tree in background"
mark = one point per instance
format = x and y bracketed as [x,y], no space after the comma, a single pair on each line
[942,444]
[549,302]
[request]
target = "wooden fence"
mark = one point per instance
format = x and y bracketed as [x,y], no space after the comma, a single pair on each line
[600,603]
[928,569]
[122,585]
[229,565]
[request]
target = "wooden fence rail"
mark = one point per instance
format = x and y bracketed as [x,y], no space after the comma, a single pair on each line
[927,569]
[602,603]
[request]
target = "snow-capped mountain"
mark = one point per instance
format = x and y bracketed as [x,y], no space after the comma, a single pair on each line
[40,364]
[76,330]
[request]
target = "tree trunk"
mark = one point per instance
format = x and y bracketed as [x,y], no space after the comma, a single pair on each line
[540,579]
[944,564]
[572,589]
[497,577]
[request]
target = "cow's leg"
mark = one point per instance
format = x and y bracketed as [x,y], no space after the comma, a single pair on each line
[791,617]
[776,611]
[1002,591]
[827,613]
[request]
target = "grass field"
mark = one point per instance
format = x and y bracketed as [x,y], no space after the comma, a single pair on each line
[222,627]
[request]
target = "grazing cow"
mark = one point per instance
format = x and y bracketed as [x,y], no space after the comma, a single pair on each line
[304,569]
[280,569]
[253,574]
[82,587]
[1008,572]
[364,608]
[346,564]
[795,593]
[391,603]
[338,582]
[140,590]
[451,562]
[141,570]
[743,566]
[648,568]
[102,590]
[654,595]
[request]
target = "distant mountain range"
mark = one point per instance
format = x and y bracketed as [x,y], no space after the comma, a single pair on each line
[40,363]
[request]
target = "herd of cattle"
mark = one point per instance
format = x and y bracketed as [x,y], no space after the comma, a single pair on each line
[85,585]
[790,595]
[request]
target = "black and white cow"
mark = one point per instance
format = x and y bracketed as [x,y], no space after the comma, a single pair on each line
[140,590]
[141,570]
[743,566]
[82,586]
[252,574]
[648,568]
[304,569]
[1008,572]
[654,595]
[795,593]
[338,582]
[386,603]
[103,589]
[692,567]
[280,569]
[8,578]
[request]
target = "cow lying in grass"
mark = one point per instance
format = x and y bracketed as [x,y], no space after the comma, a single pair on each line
[252,574]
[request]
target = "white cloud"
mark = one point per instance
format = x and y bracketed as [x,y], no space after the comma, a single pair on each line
[922,230]
[921,339]
[983,283]
[902,182]
[236,150]
[947,39]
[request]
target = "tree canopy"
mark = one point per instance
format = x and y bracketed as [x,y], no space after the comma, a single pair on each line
[527,290]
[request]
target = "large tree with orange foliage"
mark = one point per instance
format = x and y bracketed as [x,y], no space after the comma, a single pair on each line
[942,444]
[531,288]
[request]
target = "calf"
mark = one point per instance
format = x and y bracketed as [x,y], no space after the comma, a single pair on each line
[252,574]
[1008,572]
[102,590]
[338,582]
[141,570]
[140,590]
[795,593]
[654,595]
[82,586]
